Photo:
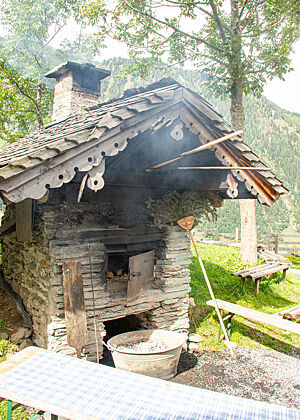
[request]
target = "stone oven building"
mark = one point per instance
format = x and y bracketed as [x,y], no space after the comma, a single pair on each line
[77,189]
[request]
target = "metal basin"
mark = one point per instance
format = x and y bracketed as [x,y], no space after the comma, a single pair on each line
[159,364]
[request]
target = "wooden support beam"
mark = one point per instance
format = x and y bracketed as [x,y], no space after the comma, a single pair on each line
[24,220]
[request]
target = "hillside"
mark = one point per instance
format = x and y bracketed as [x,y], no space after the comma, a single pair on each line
[272,132]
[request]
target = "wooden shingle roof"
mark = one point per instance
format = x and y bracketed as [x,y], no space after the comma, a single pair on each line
[52,156]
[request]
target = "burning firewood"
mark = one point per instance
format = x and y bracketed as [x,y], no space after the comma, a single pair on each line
[110,275]
[119,272]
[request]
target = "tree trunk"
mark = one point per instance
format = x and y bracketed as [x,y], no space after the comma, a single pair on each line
[248,232]
[39,102]
[247,207]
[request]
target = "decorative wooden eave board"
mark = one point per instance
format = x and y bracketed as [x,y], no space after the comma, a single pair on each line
[50,157]
[253,182]
[76,124]
[61,169]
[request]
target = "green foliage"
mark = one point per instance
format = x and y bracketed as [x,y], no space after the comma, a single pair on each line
[295,261]
[238,47]
[24,103]
[274,296]
[174,206]
[26,54]
[32,28]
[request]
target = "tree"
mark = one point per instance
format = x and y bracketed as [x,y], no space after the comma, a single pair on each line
[24,103]
[237,43]
[32,31]
[26,54]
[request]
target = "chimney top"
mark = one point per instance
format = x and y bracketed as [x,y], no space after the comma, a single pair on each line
[77,86]
[71,65]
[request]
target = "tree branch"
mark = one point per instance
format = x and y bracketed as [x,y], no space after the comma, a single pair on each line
[169,25]
[242,9]
[39,118]
[211,16]
[217,20]
[54,35]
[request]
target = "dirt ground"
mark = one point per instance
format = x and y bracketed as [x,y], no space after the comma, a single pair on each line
[9,313]
[260,374]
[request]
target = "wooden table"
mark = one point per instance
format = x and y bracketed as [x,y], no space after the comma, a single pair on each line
[82,390]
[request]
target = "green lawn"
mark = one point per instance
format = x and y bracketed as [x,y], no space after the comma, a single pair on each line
[274,296]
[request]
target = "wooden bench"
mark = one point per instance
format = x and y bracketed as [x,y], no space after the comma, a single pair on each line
[290,313]
[273,320]
[260,271]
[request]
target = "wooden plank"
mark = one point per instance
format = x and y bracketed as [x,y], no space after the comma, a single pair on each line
[221,243]
[269,271]
[257,316]
[288,249]
[288,243]
[290,313]
[269,255]
[226,235]
[24,220]
[252,269]
[281,235]
[74,305]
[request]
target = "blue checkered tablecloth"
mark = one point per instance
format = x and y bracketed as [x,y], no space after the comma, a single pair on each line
[61,384]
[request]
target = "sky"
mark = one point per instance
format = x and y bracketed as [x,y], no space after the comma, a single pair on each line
[286,93]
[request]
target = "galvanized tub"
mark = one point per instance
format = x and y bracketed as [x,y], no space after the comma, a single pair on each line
[159,364]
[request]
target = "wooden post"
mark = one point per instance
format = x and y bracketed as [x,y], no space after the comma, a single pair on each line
[24,220]
[276,243]
[237,235]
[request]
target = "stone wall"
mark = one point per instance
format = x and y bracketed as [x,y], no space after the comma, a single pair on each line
[68,231]
[28,268]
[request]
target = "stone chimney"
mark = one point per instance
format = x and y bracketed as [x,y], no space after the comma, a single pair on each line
[77,86]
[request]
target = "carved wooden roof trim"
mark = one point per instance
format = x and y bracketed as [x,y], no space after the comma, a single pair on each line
[80,142]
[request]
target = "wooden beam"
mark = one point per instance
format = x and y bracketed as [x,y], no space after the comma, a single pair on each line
[257,316]
[197,149]
[244,168]
[75,315]
[213,143]
[24,220]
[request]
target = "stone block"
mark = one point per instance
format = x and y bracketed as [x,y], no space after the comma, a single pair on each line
[20,335]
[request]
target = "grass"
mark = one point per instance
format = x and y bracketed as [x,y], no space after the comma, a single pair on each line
[275,295]
[295,261]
